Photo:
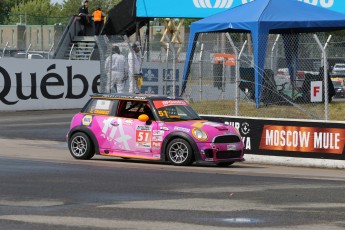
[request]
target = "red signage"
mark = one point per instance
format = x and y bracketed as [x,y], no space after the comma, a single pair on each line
[228,59]
[302,139]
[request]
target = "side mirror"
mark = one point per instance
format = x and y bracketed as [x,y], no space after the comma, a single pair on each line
[143,118]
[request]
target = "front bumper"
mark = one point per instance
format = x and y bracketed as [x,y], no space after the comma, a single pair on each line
[210,152]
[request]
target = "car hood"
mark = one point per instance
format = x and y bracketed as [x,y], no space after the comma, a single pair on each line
[207,126]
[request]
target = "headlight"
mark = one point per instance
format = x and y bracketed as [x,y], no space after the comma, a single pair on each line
[199,134]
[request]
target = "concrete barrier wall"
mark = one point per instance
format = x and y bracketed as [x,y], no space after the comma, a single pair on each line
[40,84]
[46,84]
[289,138]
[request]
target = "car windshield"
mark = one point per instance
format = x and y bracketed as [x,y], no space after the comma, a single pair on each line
[336,84]
[175,110]
[339,66]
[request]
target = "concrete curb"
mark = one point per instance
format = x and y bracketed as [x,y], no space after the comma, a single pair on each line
[294,161]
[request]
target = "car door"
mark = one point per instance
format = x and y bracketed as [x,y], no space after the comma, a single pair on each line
[133,137]
[99,120]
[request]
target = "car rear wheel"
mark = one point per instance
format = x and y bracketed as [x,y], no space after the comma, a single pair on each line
[81,147]
[180,152]
[225,164]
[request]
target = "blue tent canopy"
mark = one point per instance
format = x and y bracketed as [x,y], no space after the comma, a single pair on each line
[261,18]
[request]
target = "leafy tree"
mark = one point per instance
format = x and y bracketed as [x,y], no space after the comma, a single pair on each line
[71,7]
[5,8]
[35,12]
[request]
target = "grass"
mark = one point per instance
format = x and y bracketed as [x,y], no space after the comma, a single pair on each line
[336,110]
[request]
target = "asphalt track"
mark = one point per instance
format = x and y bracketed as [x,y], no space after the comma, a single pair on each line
[43,187]
[53,125]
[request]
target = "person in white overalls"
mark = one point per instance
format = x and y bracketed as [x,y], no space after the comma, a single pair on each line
[134,68]
[117,71]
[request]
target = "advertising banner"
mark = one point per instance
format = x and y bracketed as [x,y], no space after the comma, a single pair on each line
[289,138]
[205,8]
[46,84]
[38,84]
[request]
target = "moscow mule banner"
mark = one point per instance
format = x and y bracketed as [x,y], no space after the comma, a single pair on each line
[289,138]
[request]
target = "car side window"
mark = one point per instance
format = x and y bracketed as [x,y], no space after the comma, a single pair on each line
[101,107]
[131,109]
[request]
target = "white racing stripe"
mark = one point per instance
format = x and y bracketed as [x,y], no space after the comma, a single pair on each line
[98,223]
[102,223]
[227,204]
[35,124]
[31,203]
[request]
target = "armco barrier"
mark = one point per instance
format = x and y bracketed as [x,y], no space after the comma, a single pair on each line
[289,138]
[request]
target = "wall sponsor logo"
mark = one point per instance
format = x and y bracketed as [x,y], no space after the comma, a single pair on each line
[149,89]
[50,86]
[225,4]
[150,75]
[218,4]
[323,3]
[303,139]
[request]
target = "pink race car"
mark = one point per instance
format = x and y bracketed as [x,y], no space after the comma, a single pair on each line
[151,127]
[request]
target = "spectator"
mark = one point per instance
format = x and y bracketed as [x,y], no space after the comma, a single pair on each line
[116,66]
[84,17]
[134,68]
[98,17]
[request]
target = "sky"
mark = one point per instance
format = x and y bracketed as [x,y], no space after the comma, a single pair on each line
[56,1]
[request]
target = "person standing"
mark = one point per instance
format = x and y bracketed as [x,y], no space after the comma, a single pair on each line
[84,16]
[116,67]
[98,17]
[134,68]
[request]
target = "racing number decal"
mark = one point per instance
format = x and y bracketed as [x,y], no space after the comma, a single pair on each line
[143,136]
[163,114]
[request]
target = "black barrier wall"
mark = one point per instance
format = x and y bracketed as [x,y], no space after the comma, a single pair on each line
[289,138]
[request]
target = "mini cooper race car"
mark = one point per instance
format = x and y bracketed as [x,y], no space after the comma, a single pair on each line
[151,127]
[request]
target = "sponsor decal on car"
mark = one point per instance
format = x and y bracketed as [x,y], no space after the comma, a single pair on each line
[143,145]
[87,120]
[157,138]
[181,129]
[231,147]
[156,145]
[158,132]
[115,134]
[160,104]
[143,136]
[128,122]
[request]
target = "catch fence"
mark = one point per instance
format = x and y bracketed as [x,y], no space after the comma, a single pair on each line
[221,77]
[222,81]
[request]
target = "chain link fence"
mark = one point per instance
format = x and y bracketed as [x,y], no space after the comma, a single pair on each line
[221,79]
[161,68]
[28,19]
[22,34]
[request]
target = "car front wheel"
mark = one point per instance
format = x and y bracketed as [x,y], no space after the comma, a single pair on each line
[180,152]
[80,146]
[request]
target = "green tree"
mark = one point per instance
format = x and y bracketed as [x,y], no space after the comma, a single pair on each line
[5,8]
[71,7]
[35,12]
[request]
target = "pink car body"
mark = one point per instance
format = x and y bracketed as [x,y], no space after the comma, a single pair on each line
[154,138]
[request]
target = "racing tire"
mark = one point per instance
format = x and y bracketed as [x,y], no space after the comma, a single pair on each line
[225,164]
[81,147]
[180,152]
